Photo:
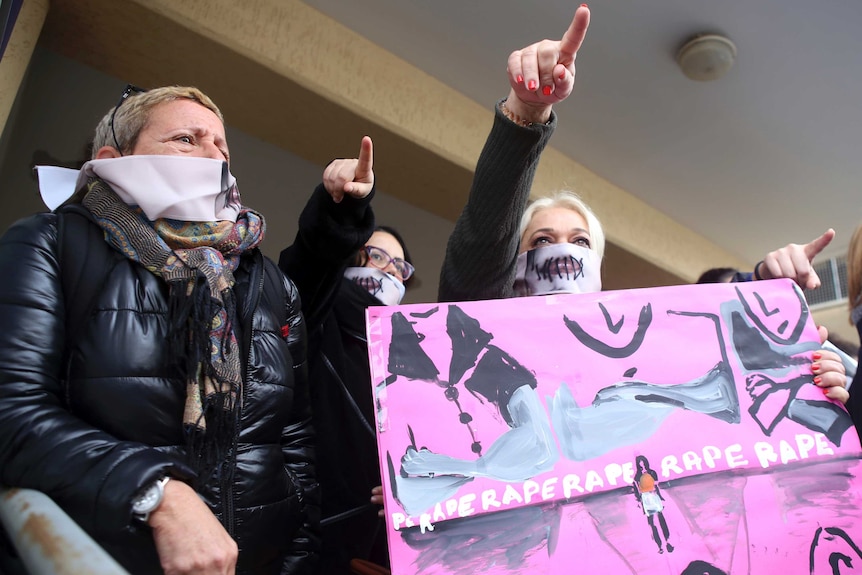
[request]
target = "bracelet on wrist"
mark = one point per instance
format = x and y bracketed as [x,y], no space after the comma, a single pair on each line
[757,275]
[516,118]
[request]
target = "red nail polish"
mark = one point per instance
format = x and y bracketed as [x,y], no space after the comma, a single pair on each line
[520,79]
[584,5]
[815,367]
[532,85]
[825,390]
[818,379]
[562,76]
[817,355]
[546,90]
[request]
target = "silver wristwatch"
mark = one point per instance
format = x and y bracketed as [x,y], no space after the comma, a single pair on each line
[149,499]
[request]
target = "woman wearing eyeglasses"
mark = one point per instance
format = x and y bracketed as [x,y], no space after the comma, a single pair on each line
[381,267]
[343,264]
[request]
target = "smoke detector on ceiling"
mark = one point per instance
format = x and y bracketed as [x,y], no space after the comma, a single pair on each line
[706,57]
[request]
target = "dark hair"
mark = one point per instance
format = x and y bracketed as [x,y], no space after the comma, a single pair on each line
[717,275]
[394,233]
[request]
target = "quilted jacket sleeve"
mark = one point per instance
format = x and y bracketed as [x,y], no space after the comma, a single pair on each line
[298,444]
[89,473]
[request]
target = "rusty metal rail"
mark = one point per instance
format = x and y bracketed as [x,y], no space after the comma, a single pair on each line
[47,540]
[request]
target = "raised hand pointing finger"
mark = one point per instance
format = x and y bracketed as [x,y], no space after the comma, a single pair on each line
[353,176]
[794,261]
[543,73]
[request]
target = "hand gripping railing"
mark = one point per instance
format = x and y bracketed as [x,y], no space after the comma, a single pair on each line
[47,540]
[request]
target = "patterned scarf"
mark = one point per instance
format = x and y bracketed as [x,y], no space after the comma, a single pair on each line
[197,261]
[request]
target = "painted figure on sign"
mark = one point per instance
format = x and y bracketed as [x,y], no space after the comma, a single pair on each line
[651,501]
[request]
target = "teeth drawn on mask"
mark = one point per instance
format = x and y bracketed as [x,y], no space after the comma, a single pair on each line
[380,285]
[373,285]
[557,269]
[568,267]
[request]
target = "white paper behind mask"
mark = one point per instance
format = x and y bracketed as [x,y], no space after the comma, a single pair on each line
[558,268]
[385,287]
[174,187]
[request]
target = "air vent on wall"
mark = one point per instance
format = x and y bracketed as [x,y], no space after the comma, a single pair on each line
[833,283]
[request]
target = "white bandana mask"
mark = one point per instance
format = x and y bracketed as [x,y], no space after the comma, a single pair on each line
[558,268]
[174,187]
[385,287]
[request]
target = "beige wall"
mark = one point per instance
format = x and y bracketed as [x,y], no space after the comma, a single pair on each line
[52,126]
[270,64]
[293,77]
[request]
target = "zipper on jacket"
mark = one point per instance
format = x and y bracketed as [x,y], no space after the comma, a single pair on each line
[228,499]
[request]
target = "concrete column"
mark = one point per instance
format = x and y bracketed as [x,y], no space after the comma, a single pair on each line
[18,51]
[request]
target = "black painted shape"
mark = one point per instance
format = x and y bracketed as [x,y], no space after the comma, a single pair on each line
[406,357]
[613,327]
[833,535]
[630,372]
[797,329]
[762,303]
[607,350]
[468,341]
[496,378]
[775,393]
[811,413]
[425,314]
[753,350]
[702,568]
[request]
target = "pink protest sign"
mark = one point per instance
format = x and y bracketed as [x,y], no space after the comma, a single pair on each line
[670,430]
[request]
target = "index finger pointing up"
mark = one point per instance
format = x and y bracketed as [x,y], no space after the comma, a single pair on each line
[366,159]
[574,36]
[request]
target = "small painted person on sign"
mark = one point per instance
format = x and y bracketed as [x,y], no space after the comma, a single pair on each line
[651,500]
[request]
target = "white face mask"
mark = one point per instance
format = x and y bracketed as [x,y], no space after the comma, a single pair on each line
[385,287]
[558,268]
[174,187]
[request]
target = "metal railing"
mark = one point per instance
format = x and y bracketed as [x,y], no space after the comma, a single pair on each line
[47,540]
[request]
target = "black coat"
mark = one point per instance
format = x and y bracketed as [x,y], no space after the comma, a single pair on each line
[329,236]
[854,404]
[116,426]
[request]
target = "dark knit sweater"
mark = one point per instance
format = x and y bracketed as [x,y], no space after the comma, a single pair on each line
[483,249]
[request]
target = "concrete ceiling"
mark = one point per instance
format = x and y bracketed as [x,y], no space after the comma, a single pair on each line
[766,155]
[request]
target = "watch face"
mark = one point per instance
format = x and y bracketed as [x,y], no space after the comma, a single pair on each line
[147,501]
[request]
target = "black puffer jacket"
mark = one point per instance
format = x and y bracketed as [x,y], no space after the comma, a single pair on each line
[342,399]
[116,427]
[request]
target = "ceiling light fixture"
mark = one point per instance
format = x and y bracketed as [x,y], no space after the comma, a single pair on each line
[706,57]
